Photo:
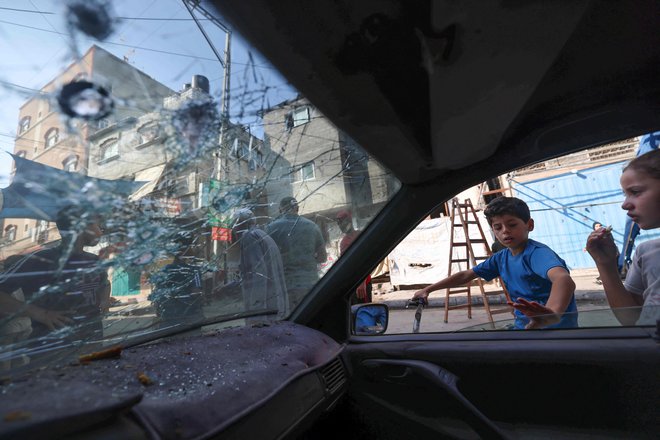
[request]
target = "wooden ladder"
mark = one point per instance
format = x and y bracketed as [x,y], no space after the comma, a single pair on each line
[463,216]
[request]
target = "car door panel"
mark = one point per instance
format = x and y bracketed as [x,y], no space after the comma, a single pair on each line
[523,383]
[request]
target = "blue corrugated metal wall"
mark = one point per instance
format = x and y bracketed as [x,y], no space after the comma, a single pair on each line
[565,206]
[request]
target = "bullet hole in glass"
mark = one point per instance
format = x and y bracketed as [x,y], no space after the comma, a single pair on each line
[85,100]
[92,18]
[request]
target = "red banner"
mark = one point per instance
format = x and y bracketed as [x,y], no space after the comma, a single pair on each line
[220,234]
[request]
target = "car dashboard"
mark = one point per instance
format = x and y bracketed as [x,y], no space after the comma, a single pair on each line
[265,381]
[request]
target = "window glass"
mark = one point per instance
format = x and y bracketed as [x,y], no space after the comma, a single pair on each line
[148,132]
[70,163]
[307,171]
[24,124]
[109,149]
[52,137]
[161,197]
[300,116]
[10,233]
[567,197]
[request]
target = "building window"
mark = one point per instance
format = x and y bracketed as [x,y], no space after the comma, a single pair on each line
[147,133]
[300,116]
[304,173]
[109,149]
[42,231]
[296,117]
[102,123]
[307,171]
[24,125]
[240,149]
[52,137]
[288,122]
[70,163]
[10,233]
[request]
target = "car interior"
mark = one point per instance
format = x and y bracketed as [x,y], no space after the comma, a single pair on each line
[444,95]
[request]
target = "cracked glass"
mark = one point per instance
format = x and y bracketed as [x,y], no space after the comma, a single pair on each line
[159,176]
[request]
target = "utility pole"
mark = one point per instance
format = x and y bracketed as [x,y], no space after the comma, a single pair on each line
[222,157]
[225,61]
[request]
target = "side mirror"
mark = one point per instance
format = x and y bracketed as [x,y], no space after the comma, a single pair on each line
[369,319]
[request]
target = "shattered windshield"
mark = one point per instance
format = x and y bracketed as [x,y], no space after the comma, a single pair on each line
[159,175]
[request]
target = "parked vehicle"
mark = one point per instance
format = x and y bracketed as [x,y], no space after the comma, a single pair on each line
[388,110]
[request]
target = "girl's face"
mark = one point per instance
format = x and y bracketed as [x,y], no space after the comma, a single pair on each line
[642,198]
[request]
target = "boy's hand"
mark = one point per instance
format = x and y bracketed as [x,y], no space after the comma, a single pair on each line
[601,247]
[423,294]
[539,315]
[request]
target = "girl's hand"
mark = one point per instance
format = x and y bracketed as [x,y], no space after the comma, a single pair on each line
[539,315]
[601,247]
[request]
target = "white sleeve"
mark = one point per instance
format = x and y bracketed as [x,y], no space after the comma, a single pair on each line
[635,278]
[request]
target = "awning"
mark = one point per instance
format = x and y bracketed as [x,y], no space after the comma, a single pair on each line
[39,191]
[151,176]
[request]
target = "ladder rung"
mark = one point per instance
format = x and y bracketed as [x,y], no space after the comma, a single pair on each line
[478,240]
[460,260]
[485,257]
[458,290]
[494,292]
[460,244]
[493,191]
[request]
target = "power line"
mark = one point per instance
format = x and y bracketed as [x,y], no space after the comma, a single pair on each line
[113,43]
[148,49]
[120,18]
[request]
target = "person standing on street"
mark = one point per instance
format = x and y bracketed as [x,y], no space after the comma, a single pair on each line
[302,248]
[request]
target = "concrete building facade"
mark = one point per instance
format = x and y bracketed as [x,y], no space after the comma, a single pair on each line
[45,137]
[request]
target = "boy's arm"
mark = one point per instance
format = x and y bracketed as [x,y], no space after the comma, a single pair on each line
[454,280]
[561,293]
[562,290]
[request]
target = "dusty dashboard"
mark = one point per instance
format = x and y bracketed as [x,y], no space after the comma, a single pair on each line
[263,382]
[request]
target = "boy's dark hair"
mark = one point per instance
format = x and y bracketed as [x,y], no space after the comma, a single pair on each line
[648,163]
[507,205]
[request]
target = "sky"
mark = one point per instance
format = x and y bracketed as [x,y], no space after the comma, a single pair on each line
[158,37]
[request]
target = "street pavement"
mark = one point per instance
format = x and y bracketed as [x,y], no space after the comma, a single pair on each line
[589,296]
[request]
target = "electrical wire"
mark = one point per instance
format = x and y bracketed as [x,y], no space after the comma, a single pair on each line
[119,18]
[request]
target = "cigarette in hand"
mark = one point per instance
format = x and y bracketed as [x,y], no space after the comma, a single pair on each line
[608,229]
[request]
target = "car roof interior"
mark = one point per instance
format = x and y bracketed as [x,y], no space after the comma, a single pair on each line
[456,83]
[463,90]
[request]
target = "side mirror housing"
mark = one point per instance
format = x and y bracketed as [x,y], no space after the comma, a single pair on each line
[369,319]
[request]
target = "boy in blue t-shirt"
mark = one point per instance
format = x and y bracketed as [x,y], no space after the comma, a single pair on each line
[537,279]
